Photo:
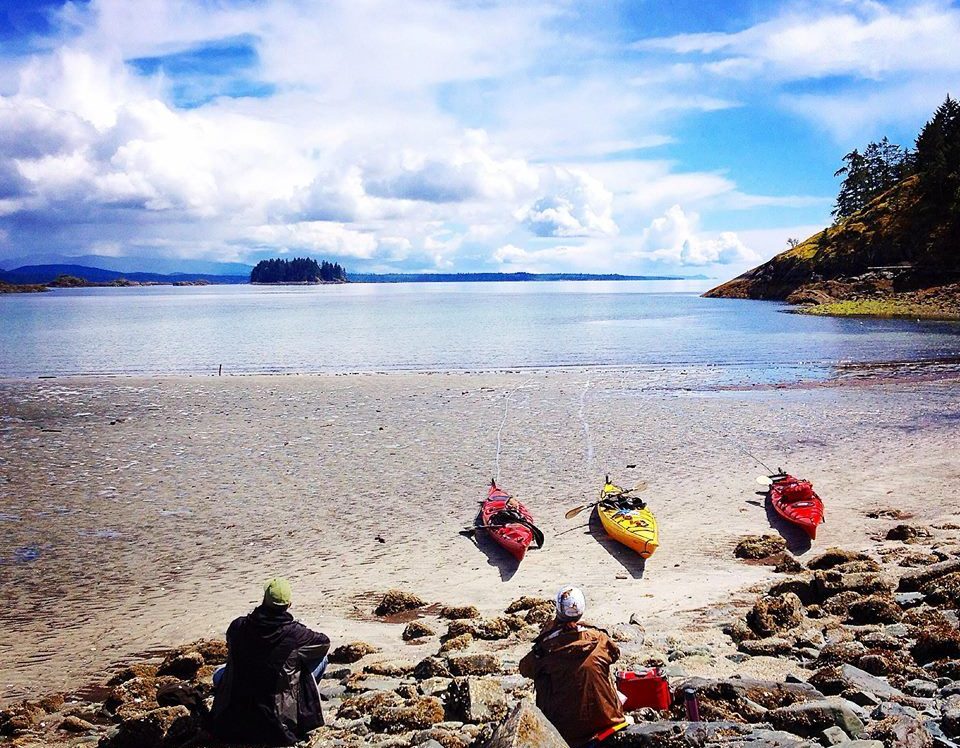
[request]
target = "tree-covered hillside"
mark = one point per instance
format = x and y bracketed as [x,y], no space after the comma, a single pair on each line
[896,207]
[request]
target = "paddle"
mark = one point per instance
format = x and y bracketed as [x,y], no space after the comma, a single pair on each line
[639,488]
[766,480]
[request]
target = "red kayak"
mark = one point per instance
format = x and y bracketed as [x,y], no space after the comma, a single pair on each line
[495,515]
[797,502]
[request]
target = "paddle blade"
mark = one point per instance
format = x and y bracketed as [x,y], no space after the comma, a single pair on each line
[763,480]
[575,511]
[537,535]
[639,488]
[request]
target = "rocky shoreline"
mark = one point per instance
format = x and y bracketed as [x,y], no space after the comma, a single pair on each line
[869,641]
[886,293]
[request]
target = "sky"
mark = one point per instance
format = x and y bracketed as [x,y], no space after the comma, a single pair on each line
[644,136]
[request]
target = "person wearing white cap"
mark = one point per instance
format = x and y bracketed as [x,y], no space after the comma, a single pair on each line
[570,667]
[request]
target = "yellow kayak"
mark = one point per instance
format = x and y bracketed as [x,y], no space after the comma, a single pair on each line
[628,521]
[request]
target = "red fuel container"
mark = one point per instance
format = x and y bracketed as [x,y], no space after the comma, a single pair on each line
[646,688]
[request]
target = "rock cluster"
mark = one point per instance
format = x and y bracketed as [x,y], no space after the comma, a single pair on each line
[873,649]
[453,699]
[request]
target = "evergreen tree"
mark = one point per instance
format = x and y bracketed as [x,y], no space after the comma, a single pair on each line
[938,157]
[868,174]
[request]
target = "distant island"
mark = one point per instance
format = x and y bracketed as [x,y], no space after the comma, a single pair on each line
[22,287]
[894,249]
[506,277]
[300,270]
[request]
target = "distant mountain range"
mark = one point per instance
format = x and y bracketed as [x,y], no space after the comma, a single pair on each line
[160,265]
[48,273]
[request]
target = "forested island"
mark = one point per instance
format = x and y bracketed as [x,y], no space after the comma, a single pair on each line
[894,248]
[297,270]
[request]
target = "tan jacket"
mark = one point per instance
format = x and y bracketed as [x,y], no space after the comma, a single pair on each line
[570,667]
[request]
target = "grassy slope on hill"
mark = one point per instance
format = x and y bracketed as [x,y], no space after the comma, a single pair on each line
[896,228]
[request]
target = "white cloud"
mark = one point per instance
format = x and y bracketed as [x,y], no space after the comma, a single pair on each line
[881,63]
[674,238]
[864,39]
[316,236]
[576,204]
[425,135]
[587,257]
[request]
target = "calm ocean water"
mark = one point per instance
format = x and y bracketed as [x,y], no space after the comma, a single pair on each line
[663,328]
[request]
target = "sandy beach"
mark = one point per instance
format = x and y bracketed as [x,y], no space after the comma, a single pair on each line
[141,513]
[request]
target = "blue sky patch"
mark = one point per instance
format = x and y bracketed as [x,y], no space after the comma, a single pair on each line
[227,67]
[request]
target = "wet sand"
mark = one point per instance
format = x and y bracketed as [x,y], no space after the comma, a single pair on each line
[143,513]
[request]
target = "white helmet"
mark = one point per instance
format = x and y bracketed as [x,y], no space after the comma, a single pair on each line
[570,603]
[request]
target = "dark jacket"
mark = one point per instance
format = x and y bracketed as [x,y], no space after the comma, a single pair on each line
[570,667]
[267,695]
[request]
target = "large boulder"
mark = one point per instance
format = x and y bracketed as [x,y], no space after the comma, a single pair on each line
[527,727]
[181,665]
[431,667]
[943,591]
[389,668]
[937,643]
[950,716]
[459,611]
[418,713]
[809,719]
[439,737]
[397,601]
[907,533]
[477,700]
[901,731]
[21,718]
[475,664]
[166,726]
[833,582]
[760,546]
[912,581]
[746,699]
[527,603]
[837,680]
[416,630]
[137,692]
[835,557]
[496,628]
[774,614]
[357,707]
[836,653]
[770,646]
[352,652]
[457,643]
[665,734]
[801,585]
[129,672]
[874,609]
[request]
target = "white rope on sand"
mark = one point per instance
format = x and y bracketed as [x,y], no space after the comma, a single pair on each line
[586,426]
[503,421]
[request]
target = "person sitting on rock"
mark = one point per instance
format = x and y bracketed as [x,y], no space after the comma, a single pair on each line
[267,692]
[570,667]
